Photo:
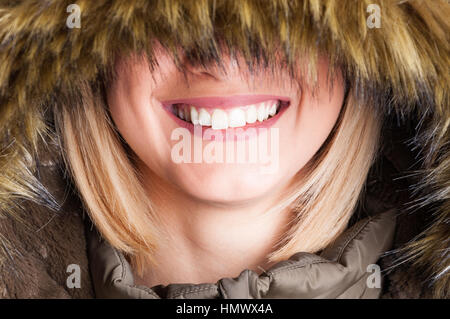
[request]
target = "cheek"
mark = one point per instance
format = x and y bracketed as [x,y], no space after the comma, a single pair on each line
[313,122]
[136,114]
[135,118]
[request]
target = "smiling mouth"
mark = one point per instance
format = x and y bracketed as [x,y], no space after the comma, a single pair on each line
[224,113]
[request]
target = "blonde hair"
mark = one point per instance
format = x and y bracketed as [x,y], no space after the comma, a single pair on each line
[322,200]
[327,190]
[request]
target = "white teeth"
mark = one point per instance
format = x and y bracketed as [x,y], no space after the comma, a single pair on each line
[251,114]
[204,118]
[266,111]
[262,112]
[187,114]
[236,118]
[219,120]
[181,113]
[273,109]
[194,116]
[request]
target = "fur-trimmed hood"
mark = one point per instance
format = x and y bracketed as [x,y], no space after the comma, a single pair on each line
[400,70]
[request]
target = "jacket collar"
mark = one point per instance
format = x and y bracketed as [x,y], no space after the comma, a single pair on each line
[345,269]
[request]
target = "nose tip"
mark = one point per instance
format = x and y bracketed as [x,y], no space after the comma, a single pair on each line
[211,72]
[219,71]
[209,75]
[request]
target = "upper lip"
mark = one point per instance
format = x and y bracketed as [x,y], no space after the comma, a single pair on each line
[224,102]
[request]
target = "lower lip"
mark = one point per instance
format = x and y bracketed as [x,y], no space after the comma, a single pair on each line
[228,133]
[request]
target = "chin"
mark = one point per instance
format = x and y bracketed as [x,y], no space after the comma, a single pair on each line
[226,185]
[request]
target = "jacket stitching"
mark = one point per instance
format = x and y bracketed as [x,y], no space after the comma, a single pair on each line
[353,236]
[189,291]
[364,290]
[122,277]
[248,285]
[223,290]
[299,266]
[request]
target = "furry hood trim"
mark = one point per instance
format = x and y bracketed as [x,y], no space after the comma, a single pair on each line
[400,69]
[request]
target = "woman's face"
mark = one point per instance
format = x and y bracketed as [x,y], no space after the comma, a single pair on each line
[222,137]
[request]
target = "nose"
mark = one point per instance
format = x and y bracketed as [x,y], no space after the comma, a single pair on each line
[219,72]
[201,72]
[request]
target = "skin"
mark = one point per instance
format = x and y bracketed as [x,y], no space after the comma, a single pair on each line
[214,214]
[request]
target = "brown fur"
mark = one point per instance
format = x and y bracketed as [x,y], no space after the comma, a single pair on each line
[38,244]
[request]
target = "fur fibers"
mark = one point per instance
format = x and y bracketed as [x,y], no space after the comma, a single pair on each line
[400,70]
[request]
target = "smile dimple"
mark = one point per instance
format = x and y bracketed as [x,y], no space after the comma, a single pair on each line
[219,119]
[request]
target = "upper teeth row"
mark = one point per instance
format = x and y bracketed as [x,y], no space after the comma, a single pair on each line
[220,119]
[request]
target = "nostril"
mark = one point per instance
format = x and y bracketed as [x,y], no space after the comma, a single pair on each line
[207,74]
[204,75]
